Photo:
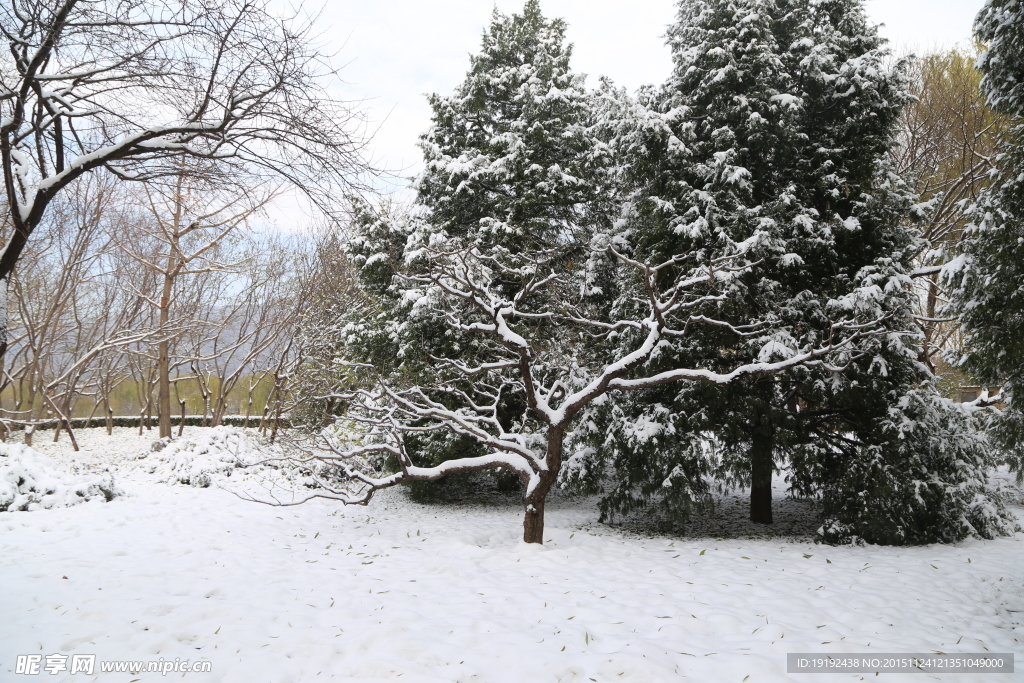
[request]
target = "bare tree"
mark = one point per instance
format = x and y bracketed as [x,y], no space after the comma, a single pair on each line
[306,365]
[130,87]
[69,309]
[184,233]
[947,146]
[254,326]
[57,316]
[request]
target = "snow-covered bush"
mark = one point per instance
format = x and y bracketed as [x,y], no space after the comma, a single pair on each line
[924,476]
[31,481]
[213,455]
[194,460]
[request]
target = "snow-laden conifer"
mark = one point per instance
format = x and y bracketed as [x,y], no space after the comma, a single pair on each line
[985,280]
[510,303]
[779,119]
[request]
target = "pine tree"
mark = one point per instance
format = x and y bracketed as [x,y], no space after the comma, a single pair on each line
[986,280]
[511,167]
[727,319]
[779,118]
[545,313]
[510,159]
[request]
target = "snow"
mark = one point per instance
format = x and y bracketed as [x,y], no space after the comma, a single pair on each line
[450,593]
[209,457]
[31,481]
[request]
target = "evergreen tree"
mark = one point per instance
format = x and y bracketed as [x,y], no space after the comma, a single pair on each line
[513,168]
[987,280]
[769,143]
[779,118]
[510,158]
[544,312]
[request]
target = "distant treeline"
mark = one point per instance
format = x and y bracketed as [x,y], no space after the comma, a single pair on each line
[127,402]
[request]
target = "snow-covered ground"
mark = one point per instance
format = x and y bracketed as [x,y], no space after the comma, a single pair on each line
[403,591]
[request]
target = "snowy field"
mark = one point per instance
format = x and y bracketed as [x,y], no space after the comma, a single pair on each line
[411,592]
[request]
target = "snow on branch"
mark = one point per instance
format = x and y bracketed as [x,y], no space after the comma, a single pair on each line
[135,87]
[518,398]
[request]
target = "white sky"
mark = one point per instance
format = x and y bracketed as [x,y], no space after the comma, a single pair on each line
[397,51]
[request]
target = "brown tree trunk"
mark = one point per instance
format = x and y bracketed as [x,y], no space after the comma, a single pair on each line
[218,411]
[761,467]
[163,362]
[930,328]
[533,520]
[88,421]
[4,282]
[248,408]
[205,391]
[164,392]
[163,349]
[62,422]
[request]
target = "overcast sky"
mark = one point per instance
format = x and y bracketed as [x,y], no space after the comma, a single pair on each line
[397,51]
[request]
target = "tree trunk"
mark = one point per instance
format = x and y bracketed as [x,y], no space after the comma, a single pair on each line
[205,391]
[62,422]
[930,328]
[533,520]
[95,407]
[4,288]
[163,401]
[761,466]
[3,343]
[164,392]
[218,411]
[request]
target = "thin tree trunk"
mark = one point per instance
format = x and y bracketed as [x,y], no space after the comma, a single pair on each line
[164,372]
[218,411]
[205,391]
[4,282]
[88,421]
[4,289]
[30,411]
[264,422]
[930,327]
[62,421]
[163,348]
[277,424]
[761,467]
[264,419]
[4,432]
[248,408]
